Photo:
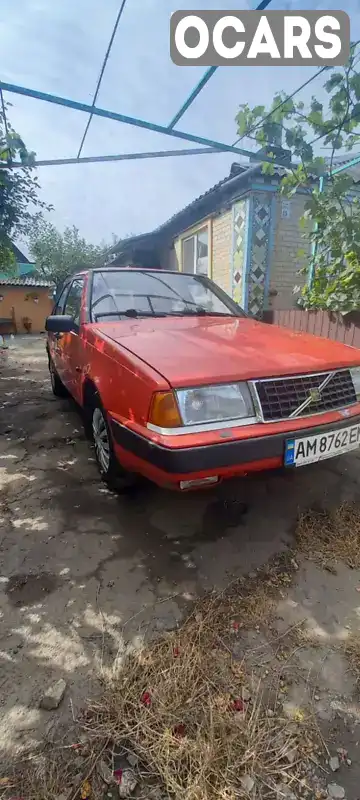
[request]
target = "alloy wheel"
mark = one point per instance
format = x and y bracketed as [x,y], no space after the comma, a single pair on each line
[101,439]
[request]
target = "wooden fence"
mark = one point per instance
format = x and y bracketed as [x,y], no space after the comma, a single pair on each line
[320,323]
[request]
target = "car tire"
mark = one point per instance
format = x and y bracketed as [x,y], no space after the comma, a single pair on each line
[112,473]
[58,388]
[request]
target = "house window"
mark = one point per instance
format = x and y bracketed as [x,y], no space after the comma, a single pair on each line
[195,253]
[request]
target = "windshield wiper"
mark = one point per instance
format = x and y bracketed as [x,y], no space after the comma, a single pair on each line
[130,312]
[200,312]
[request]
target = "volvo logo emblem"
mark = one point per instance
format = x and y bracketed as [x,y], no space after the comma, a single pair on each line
[314,395]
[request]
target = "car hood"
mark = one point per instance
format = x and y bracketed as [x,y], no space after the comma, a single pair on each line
[194,351]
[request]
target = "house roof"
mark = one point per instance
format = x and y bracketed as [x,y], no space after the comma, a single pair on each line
[207,203]
[19,271]
[25,269]
[199,208]
[20,258]
[24,281]
[354,171]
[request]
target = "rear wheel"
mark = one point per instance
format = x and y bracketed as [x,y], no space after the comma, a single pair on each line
[110,470]
[58,388]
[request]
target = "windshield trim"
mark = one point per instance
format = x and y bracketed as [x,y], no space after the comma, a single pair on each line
[235,310]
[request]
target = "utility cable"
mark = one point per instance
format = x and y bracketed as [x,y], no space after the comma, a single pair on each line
[106,58]
[289,97]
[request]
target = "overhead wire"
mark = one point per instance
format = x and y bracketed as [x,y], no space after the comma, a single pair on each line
[282,103]
[103,67]
[258,124]
[331,130]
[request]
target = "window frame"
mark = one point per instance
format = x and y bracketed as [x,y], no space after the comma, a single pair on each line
[78,279]
[194,235]
[64,292]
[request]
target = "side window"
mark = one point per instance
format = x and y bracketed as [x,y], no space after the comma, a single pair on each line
[73,300]
[59,305]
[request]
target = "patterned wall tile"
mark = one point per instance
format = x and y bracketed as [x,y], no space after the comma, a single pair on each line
[257,269]
[240,212]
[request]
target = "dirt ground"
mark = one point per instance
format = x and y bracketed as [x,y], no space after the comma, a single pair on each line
[84,572]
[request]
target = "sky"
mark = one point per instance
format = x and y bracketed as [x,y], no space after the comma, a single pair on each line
[59,47]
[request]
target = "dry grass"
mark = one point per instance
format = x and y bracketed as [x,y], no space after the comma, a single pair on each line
[57,770]
[194,717]
[192,712]
[331,536]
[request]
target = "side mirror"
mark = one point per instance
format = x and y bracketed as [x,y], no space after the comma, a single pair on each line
[59,323]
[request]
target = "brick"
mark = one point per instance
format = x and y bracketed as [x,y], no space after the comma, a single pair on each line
[285,261]
[221,250]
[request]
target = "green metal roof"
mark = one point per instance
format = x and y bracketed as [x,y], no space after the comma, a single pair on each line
[25,269]
[21,271]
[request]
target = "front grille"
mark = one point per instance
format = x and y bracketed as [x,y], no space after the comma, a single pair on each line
[279,398]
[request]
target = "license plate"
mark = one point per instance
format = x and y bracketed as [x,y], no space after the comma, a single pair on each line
[299,452]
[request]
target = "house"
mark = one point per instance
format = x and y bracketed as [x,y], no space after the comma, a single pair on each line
[24,304]
[242,233]
[25,300]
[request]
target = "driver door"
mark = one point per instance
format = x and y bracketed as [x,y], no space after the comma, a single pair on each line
[54,339]
[70,344]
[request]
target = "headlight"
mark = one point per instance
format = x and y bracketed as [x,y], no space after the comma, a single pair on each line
[355,374]
[215,403]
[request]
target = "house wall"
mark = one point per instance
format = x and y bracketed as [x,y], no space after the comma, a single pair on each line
[15,297]
[254,249]
[259,251]
[240,226]
[222,227]
[171,259]
[286,258]
[242,248]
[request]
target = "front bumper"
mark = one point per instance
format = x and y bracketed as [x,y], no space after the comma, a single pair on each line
[216,457]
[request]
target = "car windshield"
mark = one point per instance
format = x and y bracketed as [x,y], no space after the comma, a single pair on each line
[134,293]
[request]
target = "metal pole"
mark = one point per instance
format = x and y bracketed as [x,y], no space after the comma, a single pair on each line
[139,123]
[205,78]
[197,89]
[346,166]
[55,162]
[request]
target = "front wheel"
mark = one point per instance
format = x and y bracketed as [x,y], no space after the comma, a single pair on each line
[110,469]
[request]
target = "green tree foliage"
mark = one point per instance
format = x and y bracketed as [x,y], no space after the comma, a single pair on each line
[19,201]
[57,255]
[333,215]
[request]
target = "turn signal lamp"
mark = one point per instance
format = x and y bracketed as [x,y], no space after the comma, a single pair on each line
[164,412]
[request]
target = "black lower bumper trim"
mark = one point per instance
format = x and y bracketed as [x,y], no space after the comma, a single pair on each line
[185,460]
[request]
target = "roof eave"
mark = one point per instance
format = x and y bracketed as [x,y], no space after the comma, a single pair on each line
[207,204]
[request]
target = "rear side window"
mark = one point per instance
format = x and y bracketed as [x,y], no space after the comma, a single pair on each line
[73,300]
